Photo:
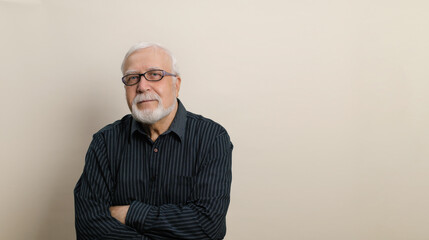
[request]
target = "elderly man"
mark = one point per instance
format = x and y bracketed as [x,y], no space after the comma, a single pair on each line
[160,173]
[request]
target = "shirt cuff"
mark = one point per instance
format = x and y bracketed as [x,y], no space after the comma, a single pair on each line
[136,215]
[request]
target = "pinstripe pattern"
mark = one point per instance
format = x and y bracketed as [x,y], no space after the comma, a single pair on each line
[178,187]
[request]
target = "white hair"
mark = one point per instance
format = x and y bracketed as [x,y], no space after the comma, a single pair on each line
[142,45]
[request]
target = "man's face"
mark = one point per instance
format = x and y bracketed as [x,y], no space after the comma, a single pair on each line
[141,61]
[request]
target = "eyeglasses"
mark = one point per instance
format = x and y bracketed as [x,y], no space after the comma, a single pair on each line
[151,75]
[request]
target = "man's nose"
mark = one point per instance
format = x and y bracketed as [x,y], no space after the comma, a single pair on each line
[143,85]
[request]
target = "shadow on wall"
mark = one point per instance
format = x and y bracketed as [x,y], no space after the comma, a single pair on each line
[68,154]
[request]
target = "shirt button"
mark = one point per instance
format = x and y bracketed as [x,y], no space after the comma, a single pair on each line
[155,150]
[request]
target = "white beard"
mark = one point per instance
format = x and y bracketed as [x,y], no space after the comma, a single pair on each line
[148,116]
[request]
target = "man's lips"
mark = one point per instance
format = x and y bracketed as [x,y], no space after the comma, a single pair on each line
[146,101]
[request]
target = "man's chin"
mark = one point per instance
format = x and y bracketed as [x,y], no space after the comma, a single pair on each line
[144,117]
[146,110]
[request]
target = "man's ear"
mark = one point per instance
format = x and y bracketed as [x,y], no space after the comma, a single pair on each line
[178,82]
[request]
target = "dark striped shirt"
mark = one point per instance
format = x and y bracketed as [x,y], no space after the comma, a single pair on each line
[178,187]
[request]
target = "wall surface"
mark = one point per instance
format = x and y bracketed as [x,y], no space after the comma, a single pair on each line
[326,103]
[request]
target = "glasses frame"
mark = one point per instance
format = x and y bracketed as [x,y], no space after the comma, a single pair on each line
[164,74]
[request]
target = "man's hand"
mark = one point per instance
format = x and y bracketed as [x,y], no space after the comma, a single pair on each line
[119,212]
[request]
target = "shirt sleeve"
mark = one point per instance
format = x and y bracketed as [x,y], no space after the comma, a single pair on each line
[92,199]
[203,216]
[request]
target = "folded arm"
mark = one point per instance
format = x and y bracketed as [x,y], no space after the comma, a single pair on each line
[92,200]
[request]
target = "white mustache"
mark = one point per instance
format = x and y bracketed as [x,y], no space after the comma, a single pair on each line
[146,97]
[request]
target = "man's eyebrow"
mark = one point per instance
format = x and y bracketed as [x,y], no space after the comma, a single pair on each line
[130,72]
[137,72]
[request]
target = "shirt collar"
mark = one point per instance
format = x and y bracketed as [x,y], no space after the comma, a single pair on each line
[178,125]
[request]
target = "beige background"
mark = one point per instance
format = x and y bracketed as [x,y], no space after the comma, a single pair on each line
[326,103]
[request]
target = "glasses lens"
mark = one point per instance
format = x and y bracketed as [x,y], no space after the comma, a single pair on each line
[131,79]
[154,75]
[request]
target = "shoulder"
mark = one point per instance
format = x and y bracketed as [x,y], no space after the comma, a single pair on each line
[201,125]
[112,137]
[207,136]
[115,129]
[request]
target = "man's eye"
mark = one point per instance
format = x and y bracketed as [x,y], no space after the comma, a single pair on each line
[132,78]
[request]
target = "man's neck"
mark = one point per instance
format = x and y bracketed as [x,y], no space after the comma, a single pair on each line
[158,128]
